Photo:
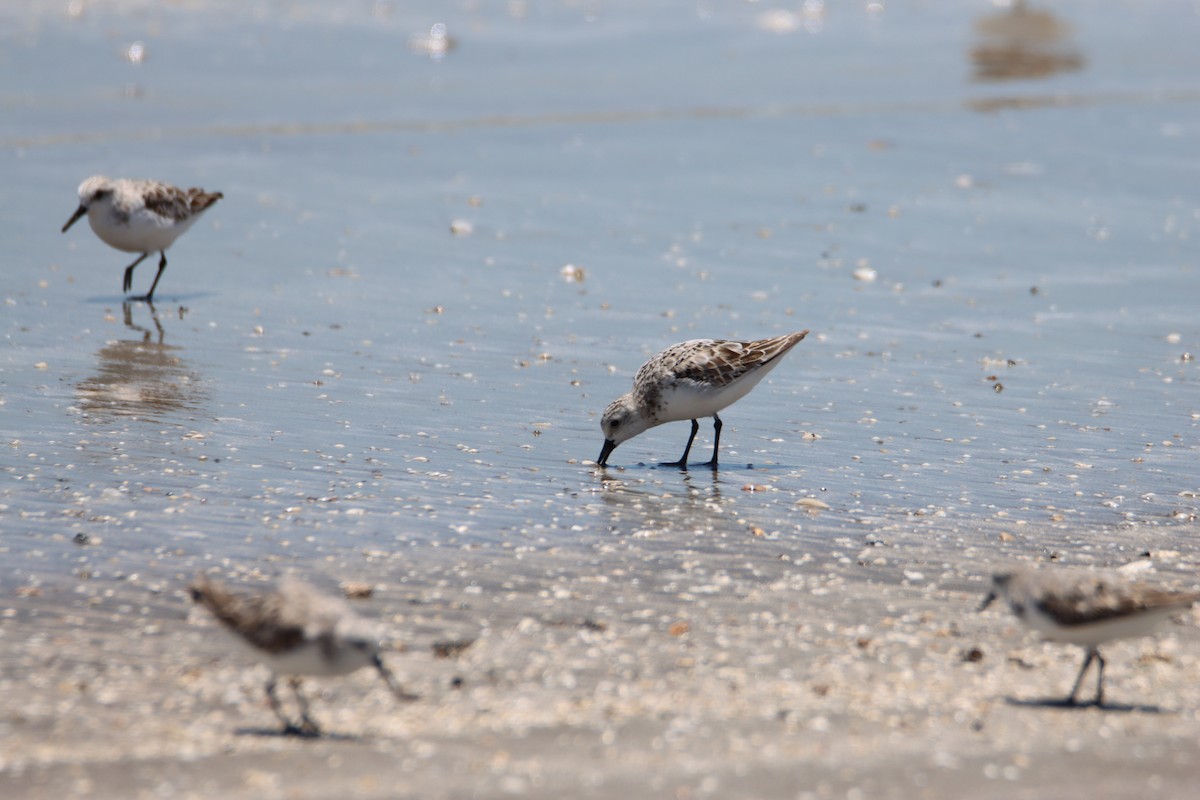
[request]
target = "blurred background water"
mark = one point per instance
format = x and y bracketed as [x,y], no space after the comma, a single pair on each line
[452,232]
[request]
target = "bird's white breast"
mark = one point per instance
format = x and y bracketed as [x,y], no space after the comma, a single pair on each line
[1093,634]
[689,399]
[138,230]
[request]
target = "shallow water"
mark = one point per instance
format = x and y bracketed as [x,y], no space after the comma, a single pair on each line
[330,369]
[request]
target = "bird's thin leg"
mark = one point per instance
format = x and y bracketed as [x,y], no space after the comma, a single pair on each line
[716,441]
[308,726]
[390,679]
[1099,679]
[289,727]
[129,272]
[1092,653]
[682,463]
[162,264]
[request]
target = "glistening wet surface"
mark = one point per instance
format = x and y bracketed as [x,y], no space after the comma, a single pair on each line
[440,255]
[450,235]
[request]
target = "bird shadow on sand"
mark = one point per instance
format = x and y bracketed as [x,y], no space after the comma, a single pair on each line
[281,733]
[1067,705]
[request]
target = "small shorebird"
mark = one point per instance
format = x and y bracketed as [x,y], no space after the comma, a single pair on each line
[139,217]
[296,630]
[690,380]
[1085,608]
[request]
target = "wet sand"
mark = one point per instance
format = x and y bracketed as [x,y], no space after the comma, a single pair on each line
[381,358]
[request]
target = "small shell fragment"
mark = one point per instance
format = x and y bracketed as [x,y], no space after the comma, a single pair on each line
[572,273]
[356,590]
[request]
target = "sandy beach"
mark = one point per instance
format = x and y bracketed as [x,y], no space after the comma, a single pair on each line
[651,666]
[450,234]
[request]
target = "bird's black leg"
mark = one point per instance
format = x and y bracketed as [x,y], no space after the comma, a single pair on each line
[682,463]
[716,441]
[1099,679]
[1092,654]
[162,264]
[289,727]
[307,726]
[129,272]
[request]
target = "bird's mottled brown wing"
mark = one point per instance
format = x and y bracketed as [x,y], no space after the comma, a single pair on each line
[178,204]
[723,362]
[1098,600]
[267,629]
[259,619]
[198,199]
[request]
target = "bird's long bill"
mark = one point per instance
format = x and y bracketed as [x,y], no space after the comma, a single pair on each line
[392,683]
[609,446]
[987,601]
[79,212]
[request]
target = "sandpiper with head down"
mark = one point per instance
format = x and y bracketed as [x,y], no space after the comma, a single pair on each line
[1086,608]
[690,380]
[296,630]
[139,217]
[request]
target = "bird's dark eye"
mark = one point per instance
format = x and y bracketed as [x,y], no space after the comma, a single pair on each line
[616,423]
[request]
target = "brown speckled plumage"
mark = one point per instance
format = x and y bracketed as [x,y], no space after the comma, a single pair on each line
[1075,597]
[1092,598]
[714,364]
[139,216]
[295,630]
[274,621]
[1086,608]
[175,203]
[690,380]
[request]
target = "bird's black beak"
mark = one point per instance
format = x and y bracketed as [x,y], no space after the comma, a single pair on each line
[609,446]
[79,212]
[987,601]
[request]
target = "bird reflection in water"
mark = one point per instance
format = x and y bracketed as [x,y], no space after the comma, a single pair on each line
[637,502]
[140,377]
[1022,44]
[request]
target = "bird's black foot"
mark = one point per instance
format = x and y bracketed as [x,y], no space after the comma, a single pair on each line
[305,730]
[1074,702]
[712,464]
[680,464]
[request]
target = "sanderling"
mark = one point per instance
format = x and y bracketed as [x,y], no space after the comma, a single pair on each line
[139,217]
[1085,608]
[688,381]
[296,630]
